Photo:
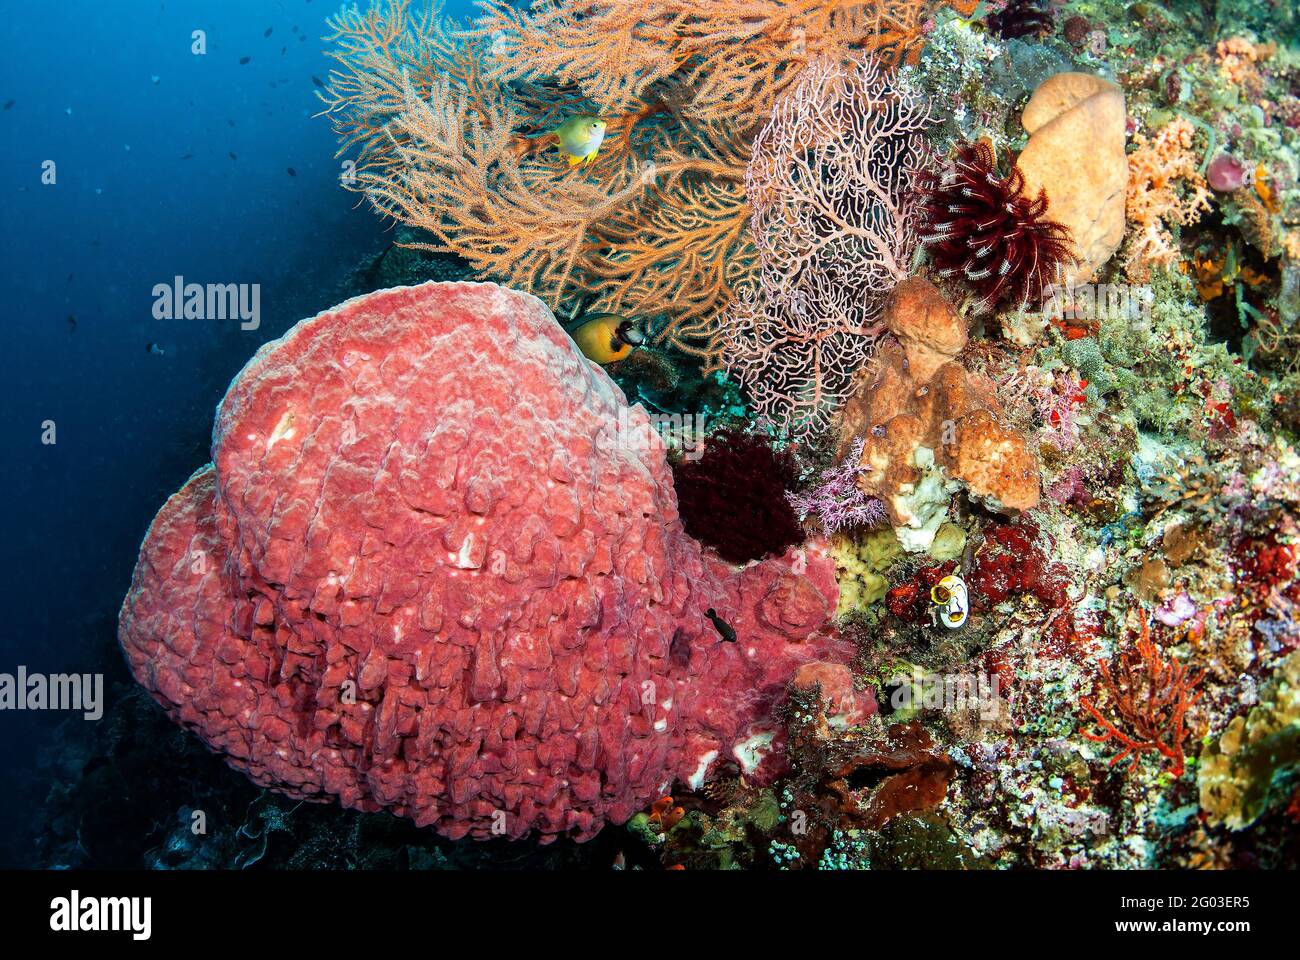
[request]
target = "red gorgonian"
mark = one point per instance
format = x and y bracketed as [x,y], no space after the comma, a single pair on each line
[1149,696]
[982,228]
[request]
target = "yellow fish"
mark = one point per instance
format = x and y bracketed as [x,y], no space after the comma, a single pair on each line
[580,138]
[607,337]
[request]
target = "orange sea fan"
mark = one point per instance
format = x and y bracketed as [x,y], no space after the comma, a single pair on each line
[735,56]
[382,55]
[450,133]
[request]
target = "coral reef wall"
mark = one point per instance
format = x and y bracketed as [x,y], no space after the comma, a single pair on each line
[989,319]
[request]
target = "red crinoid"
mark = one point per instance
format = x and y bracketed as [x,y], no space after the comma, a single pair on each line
[1022,18]
[981,227]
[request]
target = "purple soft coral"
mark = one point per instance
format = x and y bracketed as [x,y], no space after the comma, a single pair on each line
[837,501]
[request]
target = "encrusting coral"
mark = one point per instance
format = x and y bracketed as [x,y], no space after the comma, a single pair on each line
[451,134]
[905,773]
[1255,762]
[861,559]
[930,427]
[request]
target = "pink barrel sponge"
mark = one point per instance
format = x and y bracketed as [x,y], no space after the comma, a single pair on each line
[436,567]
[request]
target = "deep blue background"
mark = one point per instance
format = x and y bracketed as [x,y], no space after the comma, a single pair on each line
[129,212]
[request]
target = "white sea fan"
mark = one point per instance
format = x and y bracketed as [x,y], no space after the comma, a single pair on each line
[828,183]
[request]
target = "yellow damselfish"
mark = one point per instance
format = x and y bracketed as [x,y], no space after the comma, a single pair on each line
[580,138]
[607,337]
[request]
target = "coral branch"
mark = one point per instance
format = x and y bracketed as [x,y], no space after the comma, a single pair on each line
[838,501]
[1150,697]
[1155,203]
[736,58]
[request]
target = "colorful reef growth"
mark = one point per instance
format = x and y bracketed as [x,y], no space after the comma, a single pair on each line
[928,426]
[733,498]
[834,231]
[984,229]
[987,555]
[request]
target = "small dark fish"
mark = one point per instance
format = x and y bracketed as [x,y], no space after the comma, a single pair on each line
[188,156]
[156,349]
[283,51]
[291,171]
[725,630]
[9,104]
[72,323]
[317,80]
[295,28]
[268,31]
[230,122]
[244,60]
[232,155]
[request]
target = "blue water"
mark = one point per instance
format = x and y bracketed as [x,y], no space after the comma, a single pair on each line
[167,163]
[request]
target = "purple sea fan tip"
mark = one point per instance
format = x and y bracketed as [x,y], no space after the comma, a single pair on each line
[837,500]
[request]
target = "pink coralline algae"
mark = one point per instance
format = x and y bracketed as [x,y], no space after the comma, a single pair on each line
[427,572]
[1176,611]
[1226,173]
